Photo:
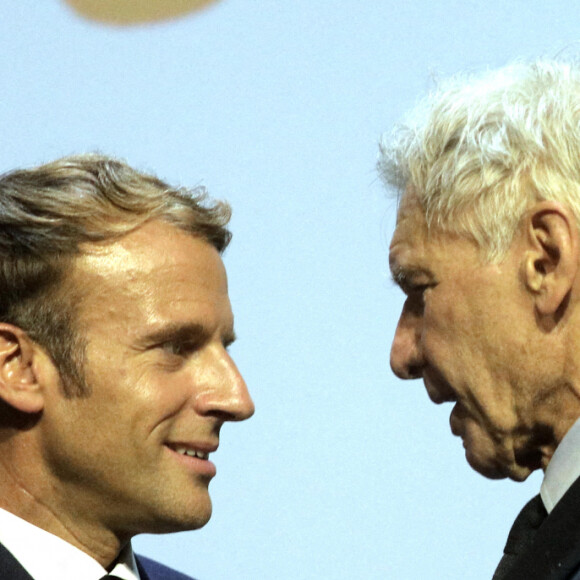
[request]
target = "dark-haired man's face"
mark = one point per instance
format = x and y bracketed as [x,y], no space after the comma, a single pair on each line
[136,454]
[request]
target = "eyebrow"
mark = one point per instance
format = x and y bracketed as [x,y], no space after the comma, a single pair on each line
[185,332]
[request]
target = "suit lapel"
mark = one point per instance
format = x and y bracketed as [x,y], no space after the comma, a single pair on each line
[555,551]
[10,567]
[142,573]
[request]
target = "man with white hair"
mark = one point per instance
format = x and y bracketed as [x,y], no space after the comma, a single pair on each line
[487,250]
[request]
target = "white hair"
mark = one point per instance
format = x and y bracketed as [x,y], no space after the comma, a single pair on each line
[479,150]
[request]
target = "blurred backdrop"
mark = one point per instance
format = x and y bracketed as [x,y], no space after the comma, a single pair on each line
[344,471]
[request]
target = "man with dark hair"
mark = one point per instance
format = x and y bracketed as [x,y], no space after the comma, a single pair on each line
[487,251]
[115,377]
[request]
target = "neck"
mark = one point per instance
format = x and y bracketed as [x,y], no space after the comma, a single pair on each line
[29,498]
[556,416]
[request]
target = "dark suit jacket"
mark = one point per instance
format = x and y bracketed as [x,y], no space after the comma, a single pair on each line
[151,570]
[555,552]
[10,569]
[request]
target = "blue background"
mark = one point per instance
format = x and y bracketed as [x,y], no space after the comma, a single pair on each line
[344,471]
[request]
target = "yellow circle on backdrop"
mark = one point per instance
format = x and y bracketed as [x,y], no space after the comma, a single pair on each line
[124,12]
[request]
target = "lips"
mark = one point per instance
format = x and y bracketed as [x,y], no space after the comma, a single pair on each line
[440,398]
[457,420]
[439,393]
[193,457]
[197,450]
[192,452]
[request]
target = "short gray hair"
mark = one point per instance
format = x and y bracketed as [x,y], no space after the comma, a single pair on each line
[46,215]
[480,149]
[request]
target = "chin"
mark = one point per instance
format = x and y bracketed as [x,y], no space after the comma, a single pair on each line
[489,471]
[519,473]
[179,518]
[196,519]
[172,525]
[495,470]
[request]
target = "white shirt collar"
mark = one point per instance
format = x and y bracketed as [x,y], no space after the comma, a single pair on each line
[52,557]
[563,469]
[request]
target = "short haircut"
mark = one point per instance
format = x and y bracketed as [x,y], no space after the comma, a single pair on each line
[46,215]
[480,149]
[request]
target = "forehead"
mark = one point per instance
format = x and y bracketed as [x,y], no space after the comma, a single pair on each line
[416,249]
[157,273]
[411,235]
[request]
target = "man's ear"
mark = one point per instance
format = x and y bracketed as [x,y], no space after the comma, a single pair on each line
[551,261]
[19,385]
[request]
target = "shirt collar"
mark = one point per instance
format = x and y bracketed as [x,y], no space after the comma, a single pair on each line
[563,469]
[52,557]
[126,566]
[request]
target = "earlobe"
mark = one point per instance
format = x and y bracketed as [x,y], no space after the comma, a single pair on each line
[551,261]
[19,386]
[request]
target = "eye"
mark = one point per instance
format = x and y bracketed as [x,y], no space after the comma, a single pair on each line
[415,303]
[228,339]
[180,348]
[420,289]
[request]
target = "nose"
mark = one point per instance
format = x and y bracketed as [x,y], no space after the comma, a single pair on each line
[406,350]
[225,394]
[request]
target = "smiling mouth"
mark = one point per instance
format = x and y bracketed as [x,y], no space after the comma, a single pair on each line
[189,451]
[192,453]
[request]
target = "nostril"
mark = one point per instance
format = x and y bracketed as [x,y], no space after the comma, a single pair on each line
[414,371]
[407,353]
[408,373]
[407,367]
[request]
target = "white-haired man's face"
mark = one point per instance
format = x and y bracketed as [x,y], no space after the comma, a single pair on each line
[467,329]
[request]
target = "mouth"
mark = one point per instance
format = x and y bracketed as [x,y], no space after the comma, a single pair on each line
[194,457]
[441,398]
[457,420]
[195,451]
[182,450]
[440,394]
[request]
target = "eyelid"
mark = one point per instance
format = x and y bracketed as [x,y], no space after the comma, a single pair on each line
[407,279]
[409,288]
[180,347]
[191,345]
[413,281]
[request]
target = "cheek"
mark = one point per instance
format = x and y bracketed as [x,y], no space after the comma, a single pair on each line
[164,395]
[444,323]
[457,343]
[125,405]
[459,318]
